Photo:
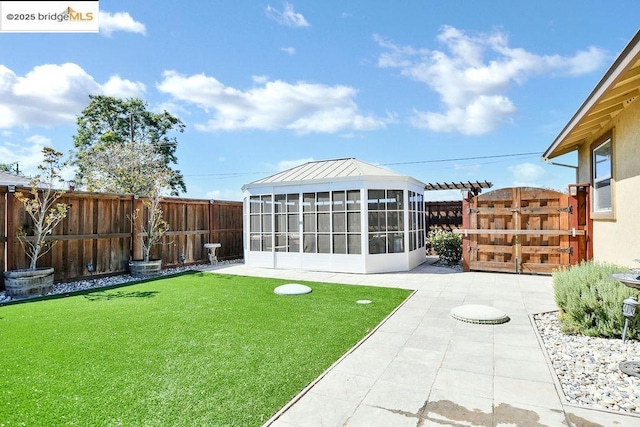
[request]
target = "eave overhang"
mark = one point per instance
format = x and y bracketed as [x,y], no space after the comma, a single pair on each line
[618,88]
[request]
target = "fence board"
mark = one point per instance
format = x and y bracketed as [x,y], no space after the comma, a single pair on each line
[97,230]
[443,215]
[523,229]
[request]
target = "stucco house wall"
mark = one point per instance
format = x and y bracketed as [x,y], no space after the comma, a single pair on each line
[610,111]
[617,240]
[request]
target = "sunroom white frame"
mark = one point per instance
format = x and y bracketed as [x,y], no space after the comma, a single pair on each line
[364,262]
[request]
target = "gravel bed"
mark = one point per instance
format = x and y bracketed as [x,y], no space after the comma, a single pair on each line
[587,368]
[81,285]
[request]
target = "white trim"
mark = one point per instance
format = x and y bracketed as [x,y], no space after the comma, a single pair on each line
[603,178]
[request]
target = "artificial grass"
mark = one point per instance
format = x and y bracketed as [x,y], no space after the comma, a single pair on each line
[197,349]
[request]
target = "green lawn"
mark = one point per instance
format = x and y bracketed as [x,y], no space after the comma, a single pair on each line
[199,349]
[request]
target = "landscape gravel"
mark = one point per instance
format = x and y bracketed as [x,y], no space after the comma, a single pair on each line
[588,368]
[101,282]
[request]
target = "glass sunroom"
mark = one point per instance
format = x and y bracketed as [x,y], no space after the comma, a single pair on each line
[340,215]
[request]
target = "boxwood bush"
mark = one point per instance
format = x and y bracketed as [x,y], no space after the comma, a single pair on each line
[590,301]
[447,245]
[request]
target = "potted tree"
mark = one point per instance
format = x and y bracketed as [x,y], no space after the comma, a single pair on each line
[42,205]
[150,227]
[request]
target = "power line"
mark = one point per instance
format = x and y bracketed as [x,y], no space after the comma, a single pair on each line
[461,158]
[496,156]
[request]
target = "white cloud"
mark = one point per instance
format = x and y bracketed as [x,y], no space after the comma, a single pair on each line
[290,50]
[527,174]
[28,154]
[53,94]
[260,79]
[473,73]
[479,117]
[123,88]
[119,21]
[47,95]
[288,17]
[301,107]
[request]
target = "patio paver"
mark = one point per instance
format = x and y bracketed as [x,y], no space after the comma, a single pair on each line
[421,367]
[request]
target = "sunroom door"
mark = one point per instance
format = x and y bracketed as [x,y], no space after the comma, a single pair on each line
[287,231]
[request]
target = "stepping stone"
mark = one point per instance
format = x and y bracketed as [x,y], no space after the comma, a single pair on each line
[292,289]
[481,314]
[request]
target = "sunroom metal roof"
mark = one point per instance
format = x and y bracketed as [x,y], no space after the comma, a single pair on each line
[328,170]
[618,88]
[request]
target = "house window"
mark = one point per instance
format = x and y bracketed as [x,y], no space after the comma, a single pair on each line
[602,174]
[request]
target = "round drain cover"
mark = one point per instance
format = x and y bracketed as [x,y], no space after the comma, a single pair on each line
[481,314]
[630,368]
[292,289]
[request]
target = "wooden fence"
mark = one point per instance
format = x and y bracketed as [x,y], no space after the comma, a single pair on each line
[445,216]
[97,230]
[526,230]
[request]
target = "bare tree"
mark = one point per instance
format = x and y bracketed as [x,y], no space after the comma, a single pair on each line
[149,223]
[43,206]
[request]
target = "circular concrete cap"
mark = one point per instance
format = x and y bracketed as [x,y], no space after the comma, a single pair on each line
[292,289]
[363,301]
[481,314]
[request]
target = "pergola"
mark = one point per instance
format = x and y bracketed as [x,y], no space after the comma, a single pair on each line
[473,187]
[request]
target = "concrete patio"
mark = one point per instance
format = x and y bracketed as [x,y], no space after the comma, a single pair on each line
[421,367]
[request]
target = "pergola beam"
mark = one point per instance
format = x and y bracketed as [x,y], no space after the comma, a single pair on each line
[474,187]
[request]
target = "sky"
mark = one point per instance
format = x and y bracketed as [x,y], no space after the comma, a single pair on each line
[443,91]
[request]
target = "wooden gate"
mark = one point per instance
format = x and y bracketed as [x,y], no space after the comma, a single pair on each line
[526,230]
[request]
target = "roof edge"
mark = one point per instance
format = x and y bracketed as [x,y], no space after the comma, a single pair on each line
[615,70]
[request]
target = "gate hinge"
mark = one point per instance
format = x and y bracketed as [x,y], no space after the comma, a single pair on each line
[568,250]
[567,209]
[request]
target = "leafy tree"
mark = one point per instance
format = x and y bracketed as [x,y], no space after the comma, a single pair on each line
[120,146]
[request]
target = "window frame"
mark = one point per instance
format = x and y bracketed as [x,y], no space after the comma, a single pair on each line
[596,145]
[385,220]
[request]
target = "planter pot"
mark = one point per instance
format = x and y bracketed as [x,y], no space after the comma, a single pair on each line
[139,268]
[28,283]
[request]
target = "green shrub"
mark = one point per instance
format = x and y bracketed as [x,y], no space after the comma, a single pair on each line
[590,301]
[447,245]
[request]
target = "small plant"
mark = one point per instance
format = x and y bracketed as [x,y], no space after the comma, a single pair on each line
[43,206]
[590,301]
[447,245]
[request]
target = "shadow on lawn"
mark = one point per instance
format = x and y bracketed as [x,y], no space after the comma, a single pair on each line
[107,296]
